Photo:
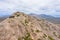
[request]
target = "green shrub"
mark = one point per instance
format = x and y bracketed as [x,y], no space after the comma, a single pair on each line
[50,38]
[19,38]
[44,36]
[18,15]
[26,21]
[37,31]
[27,37]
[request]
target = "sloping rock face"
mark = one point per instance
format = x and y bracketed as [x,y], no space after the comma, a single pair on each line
[20,26]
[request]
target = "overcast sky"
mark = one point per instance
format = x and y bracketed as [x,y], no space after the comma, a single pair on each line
[51,7]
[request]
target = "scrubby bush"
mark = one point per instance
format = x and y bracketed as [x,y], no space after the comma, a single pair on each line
[50,38]
[44,36]
[27,37]
[26,21]
[37,31]
[18,15]
[19,38]
[32,30]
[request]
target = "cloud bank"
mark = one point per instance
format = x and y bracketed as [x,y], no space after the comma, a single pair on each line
[51,7]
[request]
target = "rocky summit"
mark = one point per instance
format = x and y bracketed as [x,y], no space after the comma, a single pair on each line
[21,26]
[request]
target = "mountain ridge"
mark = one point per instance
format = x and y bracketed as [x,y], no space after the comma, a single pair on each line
[21,26]
[55,20]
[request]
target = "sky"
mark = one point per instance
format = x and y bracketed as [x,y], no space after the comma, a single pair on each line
[50,7]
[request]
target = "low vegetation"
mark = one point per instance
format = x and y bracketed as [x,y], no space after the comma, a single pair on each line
[28,37]
[38,39]
[18,15]
[44,36]
[26,21]
[50,38]
[37,30]
[19,38]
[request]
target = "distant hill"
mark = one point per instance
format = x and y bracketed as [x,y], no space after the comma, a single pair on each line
[50,18]
[3,17]
[20,26]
